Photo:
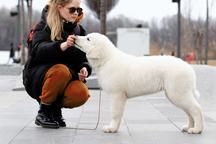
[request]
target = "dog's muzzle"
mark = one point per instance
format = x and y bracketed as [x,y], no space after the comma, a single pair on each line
[75,44]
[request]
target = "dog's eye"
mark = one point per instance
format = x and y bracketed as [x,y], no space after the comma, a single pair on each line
[88,39]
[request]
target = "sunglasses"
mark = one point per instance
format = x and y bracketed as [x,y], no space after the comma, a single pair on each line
[74,9]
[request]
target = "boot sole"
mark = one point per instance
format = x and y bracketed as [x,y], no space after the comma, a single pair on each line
[46,126]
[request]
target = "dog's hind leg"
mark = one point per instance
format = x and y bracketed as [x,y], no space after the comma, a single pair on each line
[196,113]
[118,104]
[187,102]
[190,123]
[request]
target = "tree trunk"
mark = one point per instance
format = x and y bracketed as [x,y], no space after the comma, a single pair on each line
[29,14]
[103,5]
[22,27]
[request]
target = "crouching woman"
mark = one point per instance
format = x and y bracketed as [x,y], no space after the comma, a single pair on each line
[55,71]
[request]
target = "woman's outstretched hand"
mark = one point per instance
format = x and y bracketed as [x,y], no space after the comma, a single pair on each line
[68,43]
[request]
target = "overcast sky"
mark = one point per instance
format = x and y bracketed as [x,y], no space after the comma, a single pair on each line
[143,9]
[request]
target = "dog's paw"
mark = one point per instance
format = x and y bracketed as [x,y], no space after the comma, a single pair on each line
[109,129]
[185,129]
[194,131]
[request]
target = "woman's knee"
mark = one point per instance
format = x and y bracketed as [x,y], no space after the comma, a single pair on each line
[76,94]
[60,72]
[55,82]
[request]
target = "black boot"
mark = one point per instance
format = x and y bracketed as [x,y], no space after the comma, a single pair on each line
[45,117]
[57,116]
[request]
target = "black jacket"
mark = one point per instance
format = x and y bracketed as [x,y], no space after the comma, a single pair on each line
[45,53]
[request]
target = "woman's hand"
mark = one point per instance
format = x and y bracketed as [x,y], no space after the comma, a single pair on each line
[83,74]
[68,43]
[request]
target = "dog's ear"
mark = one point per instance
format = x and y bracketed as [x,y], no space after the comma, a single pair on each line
[93,54]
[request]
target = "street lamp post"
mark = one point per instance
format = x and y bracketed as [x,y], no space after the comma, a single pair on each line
[207,29]
[179,28]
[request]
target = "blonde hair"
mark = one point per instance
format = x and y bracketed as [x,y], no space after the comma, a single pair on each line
[54,20]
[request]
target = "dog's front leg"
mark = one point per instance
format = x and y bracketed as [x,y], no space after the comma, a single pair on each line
[118,104]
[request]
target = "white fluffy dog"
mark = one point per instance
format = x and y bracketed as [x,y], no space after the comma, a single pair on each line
[125,76]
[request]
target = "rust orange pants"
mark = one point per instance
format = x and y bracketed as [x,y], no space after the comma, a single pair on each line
[59,86]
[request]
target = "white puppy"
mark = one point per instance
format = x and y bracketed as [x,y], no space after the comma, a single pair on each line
[124,76]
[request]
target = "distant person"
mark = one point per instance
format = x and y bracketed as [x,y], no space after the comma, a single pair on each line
[11,53]
[56,71]
[139,26]
[172,53]
[19,47]
[17,56]
[19,51]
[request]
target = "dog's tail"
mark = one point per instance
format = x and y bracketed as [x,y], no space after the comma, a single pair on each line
[196,94]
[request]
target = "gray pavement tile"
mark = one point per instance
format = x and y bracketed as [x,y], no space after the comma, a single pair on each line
[14,69]
[36,135]
[7,83]
[98,137]
[211,116]
[147,120]
[11,126]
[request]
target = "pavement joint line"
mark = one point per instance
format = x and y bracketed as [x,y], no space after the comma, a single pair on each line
[172,122]
[76,127]
[10,142]
[98,117]
[129,132]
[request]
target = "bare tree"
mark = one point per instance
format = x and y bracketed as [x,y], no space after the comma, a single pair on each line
[94,5]
[101,7]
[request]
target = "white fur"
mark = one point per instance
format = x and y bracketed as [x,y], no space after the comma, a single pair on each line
[124,76]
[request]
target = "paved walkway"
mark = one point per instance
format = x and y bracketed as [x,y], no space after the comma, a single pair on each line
[147,120]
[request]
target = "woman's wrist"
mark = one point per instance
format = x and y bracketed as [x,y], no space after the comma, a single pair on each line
[63,46]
